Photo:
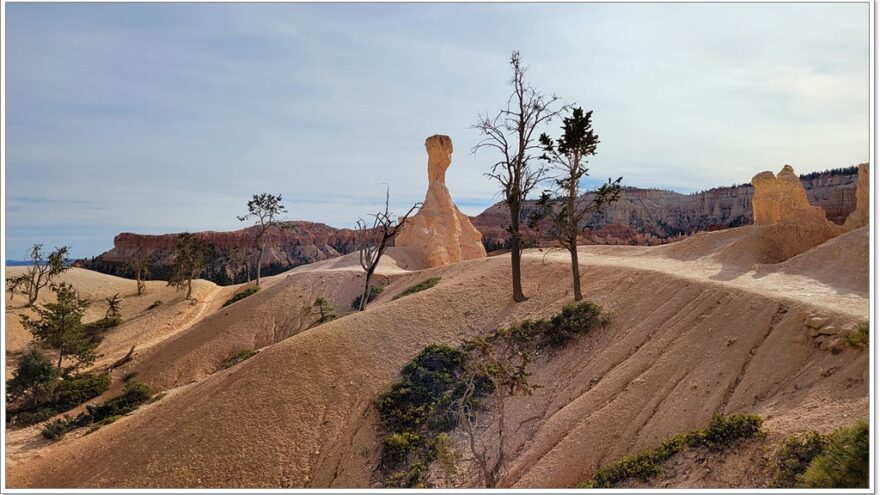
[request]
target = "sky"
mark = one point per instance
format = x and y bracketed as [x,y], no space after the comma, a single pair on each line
[157,118]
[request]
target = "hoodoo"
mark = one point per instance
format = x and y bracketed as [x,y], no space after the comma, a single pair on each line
[859,217]
[439,233]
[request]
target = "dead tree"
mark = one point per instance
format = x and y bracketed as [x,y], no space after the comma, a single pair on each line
[567,211]
[373,240]
[511,133]
[496,369]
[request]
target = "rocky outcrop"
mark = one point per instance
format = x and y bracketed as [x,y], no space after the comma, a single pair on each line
[859,217]
[439,233]
[299,243]
[782,199]
[641,216]
[654,216]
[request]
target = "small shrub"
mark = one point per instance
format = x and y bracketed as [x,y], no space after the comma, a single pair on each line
[795,456]
[721,432]
[238,357]
[134,394]
[155,305]
[324,309]
[844,461]
[427,284]
[131,375]
[243,294]
[56,428]
[77,390]
[859,337]
[371,296]
[65,395]
[573,320]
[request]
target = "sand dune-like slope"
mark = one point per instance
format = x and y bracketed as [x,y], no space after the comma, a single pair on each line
[691,335]
[141,326]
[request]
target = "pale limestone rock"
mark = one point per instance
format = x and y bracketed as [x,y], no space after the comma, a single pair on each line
[817,322]
[859,216]
[439,233]
[781,199]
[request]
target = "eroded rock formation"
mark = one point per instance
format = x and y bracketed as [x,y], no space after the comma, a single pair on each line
[439,233]
[781,198]
[859,217]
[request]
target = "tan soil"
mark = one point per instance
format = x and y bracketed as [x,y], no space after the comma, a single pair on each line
[691,335]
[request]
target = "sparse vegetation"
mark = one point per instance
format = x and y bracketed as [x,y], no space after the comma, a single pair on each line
[795,455]
[416,409]
[56,428]
[568,155]
[373,240]
[43,269]
[140,269]
[859,337]
[510,134]
[444,387]
[60,328]
[374,292]
[720,433]
[189,262]
[264,208]
[57,396]
[243,294]
[238,357]
[134,393]
[325,311]
[427,284]
[843,462]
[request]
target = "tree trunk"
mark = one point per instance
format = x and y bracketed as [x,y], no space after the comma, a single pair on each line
[189,288]
[516,253]
[259,264]
[576,274]
[573,233]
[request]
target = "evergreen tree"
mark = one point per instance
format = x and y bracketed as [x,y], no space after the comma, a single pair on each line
[189,262]
[60,328]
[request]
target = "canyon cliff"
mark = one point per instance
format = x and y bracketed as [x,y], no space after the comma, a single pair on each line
[641,216]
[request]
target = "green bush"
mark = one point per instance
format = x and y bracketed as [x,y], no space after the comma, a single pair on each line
[427,284]
[65,395]
[238,357]
[133,395]
[795,455]
[30,417]
[844,461]
[573,320]
[859,337]
[155,305]
[33,379]
[75,391]
[371,296]
[721,432]
[98,326]
[241,295]
[56,428]
[416,409]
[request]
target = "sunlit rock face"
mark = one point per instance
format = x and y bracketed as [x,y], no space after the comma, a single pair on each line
[439,233]
[859,217]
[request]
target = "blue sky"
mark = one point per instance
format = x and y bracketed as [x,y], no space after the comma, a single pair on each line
[157,118]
